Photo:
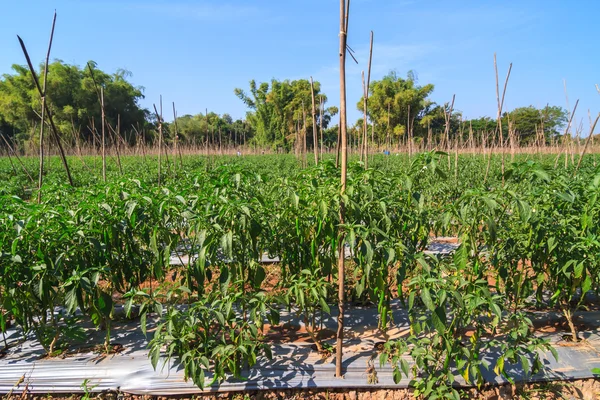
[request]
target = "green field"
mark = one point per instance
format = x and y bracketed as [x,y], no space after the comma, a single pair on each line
[528,240]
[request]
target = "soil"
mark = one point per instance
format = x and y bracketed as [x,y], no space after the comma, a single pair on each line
[587,389]
[288,333]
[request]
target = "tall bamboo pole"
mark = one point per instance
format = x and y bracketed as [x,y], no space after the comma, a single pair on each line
[42,124]
[321,112]
[448,117]
[304,162]
[314,122]
[500,106]
[177,149]
[587,142]
[103,136]
[42,94]
[344,16]
[365,104]
[10,150]
[159,118]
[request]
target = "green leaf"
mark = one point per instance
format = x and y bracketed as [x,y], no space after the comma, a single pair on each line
[397,375]
[259,276]
[426,297]
[438,318]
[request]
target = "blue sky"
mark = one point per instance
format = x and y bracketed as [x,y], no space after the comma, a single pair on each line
[196,52]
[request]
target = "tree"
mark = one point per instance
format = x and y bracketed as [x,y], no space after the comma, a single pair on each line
[390,100]
[73,99]
[277,110]
[527,122]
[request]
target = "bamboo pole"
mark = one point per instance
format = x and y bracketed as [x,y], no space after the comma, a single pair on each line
[314,122]
[587,142]
[12,164]
[321,113]
[12,150]
[500,106]
[159,118]
[103,136]
[177,149]
[42,95]
[448,117]
[567,130]
[42,125]
[343,36]
[304,162]
[366,101]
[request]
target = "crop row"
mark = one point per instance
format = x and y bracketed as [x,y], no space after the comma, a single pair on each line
[528,239]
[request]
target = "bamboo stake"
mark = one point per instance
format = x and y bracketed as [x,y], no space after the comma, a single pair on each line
[42,95]
[176,137]
[567,129]
[42,125]
[448,117]
[304,162]
[12,150]
[338,145]
[12,164]
[366,102]
[343,36]
[159,140]
[587,142]
[592,142]
[118,140]
[321,113]
[314,122]
[103,136]
[500,106]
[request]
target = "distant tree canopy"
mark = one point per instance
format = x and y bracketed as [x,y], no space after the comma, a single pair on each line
[394,103]
[526,122]
[72,99]
[279,112]
[281,109]
[212,129]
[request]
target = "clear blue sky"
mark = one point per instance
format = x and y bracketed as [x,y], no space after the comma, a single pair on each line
[196,52]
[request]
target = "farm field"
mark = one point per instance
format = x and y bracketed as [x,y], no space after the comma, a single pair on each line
[182,262]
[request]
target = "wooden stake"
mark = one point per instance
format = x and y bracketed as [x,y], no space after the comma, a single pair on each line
[42,124]
[103,136]
[42,94]
[344,16]
[500,106]
[159,140]
[12,150]
[177,137]
[314,122]
[587,142]
[321,113]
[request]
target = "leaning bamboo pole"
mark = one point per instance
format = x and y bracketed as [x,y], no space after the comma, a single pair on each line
[42,94]
[500,107]
[587,142]
[42,124]
[10,150]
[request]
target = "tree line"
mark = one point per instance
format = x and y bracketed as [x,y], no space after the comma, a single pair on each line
[280,114]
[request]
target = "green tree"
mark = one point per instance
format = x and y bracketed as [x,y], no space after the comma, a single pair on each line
[277,110]
[389,102]
[528,121]
[73,99]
